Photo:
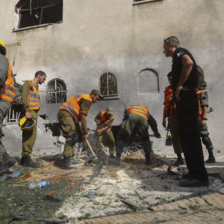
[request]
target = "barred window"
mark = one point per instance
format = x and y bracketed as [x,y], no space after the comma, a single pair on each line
[108,85]
[148,81]
[56,91]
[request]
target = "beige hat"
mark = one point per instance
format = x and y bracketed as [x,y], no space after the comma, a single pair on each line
[96,92]
[110,110]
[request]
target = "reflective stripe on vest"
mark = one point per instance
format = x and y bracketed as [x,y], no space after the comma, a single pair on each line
[33,98]
[103,119]
[8,91]
[200,109]
[139,110]
[73,107]
[169,106]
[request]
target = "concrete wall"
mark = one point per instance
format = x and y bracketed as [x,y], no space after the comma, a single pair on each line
[114,36]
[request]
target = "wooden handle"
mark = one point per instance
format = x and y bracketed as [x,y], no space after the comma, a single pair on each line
[90,147]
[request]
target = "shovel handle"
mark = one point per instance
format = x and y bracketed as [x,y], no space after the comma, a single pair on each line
[90,148]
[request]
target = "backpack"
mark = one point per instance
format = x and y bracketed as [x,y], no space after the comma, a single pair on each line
[17,104]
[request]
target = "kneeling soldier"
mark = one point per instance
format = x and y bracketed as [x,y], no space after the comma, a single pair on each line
[70,114]
[136,121]
[104,120]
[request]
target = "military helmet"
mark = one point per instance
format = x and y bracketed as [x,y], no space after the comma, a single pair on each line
[110,110]
[27,123]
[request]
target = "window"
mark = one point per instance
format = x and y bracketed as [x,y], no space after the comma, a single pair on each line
[37,12]
[138,2]
[108,85]
[56,91]
[148,81]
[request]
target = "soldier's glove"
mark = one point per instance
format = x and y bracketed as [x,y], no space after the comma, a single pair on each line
[157,135]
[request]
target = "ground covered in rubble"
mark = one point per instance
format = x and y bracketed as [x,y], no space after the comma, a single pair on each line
[90,191]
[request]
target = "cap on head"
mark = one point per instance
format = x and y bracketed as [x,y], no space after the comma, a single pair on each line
[96,92]
[110,110]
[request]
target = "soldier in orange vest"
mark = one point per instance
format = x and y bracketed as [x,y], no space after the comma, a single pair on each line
[73,111]
[31,106]
[104,120]
[169,113]
[203,109]
[7,95]
[137,120]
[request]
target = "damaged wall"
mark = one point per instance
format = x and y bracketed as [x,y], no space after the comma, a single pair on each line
[114,36]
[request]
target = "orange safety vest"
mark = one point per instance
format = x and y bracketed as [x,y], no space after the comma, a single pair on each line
[73,107]
[33,98]
[200,109]
[169,105]
[140,110]
[8,91]
[103,118]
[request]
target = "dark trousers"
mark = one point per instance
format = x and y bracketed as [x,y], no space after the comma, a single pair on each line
[187,114]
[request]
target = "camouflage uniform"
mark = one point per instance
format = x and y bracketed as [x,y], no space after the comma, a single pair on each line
[69,128]
[28,136]
[105,136]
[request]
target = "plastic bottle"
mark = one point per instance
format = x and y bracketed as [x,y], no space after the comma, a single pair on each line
[40,184]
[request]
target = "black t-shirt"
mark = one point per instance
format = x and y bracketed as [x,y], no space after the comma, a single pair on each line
[192,80]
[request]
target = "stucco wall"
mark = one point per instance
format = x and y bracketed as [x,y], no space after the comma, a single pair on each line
[113,36]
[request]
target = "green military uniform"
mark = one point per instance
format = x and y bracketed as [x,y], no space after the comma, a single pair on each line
[28,136]
[133,123]
[69,128]
[203,101]
[5,160]
[105,136]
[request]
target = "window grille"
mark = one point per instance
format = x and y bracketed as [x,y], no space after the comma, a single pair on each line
[108,85]
[56,92]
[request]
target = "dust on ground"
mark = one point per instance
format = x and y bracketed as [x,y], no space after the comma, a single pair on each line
[89,191]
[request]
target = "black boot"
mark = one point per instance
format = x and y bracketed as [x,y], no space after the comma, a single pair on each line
[147,159]
[112,156]
[179,160]
[67,164]
[117,159]
[211,158]
[28,162]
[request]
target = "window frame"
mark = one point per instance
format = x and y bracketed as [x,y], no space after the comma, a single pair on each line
[40,19]
[113,96]
[55,92]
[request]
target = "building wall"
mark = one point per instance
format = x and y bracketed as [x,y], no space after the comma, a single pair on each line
[113,36]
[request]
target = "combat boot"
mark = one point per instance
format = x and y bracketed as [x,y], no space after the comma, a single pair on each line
[112,156]
[116,160]
[211,158]
[67,164]
[147,159]
[28,162]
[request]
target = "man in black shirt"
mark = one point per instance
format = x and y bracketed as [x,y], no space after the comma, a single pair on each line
[184,85]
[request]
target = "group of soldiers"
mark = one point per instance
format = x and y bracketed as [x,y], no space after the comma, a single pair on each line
[185,109]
